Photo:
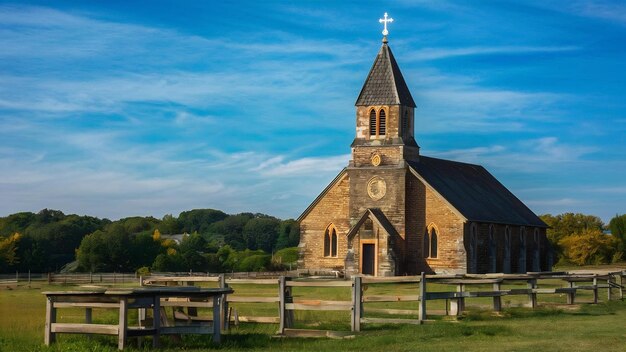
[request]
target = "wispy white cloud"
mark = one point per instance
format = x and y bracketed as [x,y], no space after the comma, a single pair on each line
[443,53]
[529,156]
[608,10]
[303,166]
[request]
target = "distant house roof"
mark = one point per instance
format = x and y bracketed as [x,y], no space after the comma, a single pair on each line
[178,238]
[474,192]
[384,84]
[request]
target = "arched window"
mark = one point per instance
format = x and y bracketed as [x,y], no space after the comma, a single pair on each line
[536,250]
[506,264]
[330,241]
[492,249]
[433,243]
[426,244]
[373,123]
[506,261]
[522,250]
[326,244]
[473,249]
[382,122]
[333,243]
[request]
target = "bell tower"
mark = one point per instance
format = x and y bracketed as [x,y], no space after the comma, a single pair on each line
[384,115]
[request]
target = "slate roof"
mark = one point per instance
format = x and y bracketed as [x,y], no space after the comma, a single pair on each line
[474,192]
[384,84]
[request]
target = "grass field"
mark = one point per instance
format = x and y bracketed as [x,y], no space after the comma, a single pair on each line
[552,327]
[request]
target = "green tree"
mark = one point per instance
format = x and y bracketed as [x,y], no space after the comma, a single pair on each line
[199,220]
[261,233]
[144,250]
[617,225]
[192,249]
[288,234]
[168,262]
[8,251]
[138,224]
[92,254]
[15,223]
[231,229]
[169,225]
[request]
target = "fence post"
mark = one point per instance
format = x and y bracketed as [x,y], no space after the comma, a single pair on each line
[17,276]
[532,296]
[571,296]
[595,289]
[357,305]
[289,314]
[225,322]
[49,278]
[91,277]
[497,300]
[28,277]
[609,281]
[457,305]
[281,304]
[621,283]
[422,295]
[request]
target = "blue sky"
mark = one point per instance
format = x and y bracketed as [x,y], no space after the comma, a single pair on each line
[121,108]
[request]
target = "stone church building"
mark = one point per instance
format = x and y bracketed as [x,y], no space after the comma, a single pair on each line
[394,211]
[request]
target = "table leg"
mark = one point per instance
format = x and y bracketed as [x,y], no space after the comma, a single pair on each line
[51,318]
[216,319]
[123,324]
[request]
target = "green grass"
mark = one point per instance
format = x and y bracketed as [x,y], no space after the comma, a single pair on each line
[552,327]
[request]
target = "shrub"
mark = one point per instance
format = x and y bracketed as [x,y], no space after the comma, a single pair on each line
[590,246]
[257,262]
[287,255]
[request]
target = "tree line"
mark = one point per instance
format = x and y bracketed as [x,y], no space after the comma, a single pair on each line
[214,241]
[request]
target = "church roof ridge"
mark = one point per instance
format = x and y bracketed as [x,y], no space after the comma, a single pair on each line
[385,84]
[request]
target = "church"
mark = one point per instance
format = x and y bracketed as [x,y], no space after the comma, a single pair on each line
[393,211]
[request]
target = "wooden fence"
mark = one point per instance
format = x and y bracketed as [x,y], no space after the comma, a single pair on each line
[454,292]
[69,278]
[92,278]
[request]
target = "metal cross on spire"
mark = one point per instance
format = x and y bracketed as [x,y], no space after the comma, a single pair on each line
[384,22]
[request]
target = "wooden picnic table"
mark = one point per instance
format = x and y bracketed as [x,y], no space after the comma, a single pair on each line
[124,299]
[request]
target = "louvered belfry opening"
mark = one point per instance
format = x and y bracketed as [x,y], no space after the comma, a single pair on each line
[405,123]
[372,122]
[381,122]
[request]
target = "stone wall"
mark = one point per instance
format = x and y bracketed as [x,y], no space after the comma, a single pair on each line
[332,208]
[451,256]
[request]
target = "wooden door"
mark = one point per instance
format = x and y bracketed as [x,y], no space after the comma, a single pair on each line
[369,259]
